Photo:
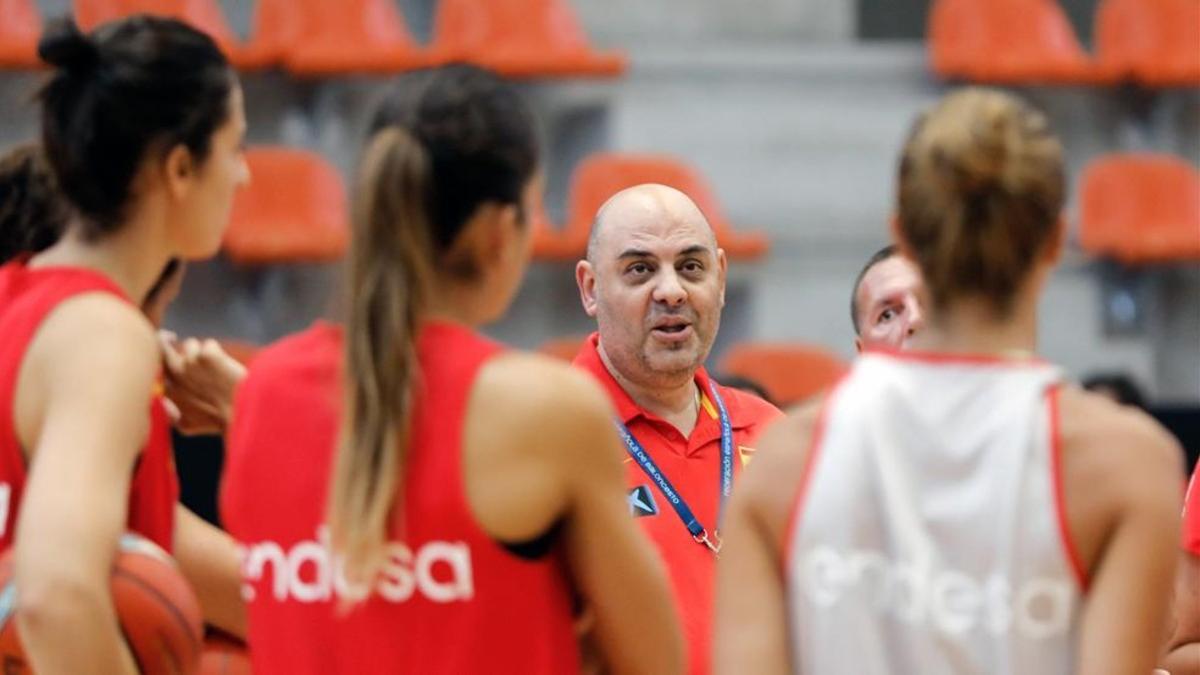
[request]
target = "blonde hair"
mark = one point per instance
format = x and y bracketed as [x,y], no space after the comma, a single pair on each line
[388,276]
[444,142]
[981,189]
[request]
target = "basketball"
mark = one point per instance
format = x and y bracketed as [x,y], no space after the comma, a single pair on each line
[224,655]
[160,615]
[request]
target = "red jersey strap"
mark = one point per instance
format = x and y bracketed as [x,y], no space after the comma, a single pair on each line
[27,297]
[1191,515]
[450,357]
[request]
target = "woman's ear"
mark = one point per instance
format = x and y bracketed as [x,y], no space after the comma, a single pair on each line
[178,171]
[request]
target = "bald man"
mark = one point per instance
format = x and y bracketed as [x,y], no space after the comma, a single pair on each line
[654,280]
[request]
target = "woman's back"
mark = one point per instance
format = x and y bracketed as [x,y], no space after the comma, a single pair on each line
[449,597]
[930,536]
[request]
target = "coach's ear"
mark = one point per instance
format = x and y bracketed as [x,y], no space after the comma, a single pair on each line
[585,278]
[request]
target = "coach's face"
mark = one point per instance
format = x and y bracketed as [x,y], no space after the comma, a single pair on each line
[655,282]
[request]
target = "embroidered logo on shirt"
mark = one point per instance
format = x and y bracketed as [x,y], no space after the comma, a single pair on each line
[641,502]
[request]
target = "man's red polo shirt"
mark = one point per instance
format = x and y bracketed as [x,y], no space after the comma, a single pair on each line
[1191,515]
[692,465]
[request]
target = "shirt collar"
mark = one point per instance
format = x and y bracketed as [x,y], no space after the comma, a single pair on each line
[589,360]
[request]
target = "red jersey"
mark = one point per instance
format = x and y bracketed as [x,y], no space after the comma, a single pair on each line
[27,296]
[450,599]
[692,465]
[1191,515]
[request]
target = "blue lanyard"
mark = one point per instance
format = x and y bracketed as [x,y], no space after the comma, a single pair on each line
[639,454]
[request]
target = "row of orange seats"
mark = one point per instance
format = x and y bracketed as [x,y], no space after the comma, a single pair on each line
[295,208]
[1135,208]
[517,38]
[1153,42]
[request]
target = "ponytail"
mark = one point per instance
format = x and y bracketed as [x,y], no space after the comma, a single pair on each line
[445,142]
[388,276]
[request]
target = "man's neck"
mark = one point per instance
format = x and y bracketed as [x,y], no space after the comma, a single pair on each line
[677,404]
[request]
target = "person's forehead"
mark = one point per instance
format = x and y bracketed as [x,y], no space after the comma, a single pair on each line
[655,231]
[889,277]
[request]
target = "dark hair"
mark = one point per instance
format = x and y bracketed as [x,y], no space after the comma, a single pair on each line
[141,84]
[1122,386]
[445,142]
[32,214]
[981,190]
[878,257]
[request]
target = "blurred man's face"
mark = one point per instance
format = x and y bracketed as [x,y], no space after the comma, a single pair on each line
[889,307]
[655,282]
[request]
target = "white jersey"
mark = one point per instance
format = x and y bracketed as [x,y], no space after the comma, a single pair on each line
[928,534]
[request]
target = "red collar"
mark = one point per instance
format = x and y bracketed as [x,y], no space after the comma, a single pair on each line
[589,360]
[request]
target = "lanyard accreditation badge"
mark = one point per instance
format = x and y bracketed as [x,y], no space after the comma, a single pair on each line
[639,454]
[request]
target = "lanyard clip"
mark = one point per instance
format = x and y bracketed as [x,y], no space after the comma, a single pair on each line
[713,544]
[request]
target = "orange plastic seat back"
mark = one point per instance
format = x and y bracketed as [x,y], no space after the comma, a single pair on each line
[1141,209]
[91,13]
[957,37]
[204,15]
[791,373]
[277,24]
[1154,41]
[350,36]
[1126,33]
[519,37]
[1180,63]
[1007,41]
[602,175]
[551,243]
[19,33]
[295,209]
[564,348]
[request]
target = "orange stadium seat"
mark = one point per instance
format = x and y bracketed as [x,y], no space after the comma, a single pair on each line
[19,33]
[1006,41]
[205,15]
[350,36]
[277,24]
[602,175]
[90,13]
[1154,41]
[1141,209]
[564,348]
[790,372]
[294,210]
[519,38]
[548,242]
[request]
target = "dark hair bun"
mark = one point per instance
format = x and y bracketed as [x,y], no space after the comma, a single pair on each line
[64,46]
